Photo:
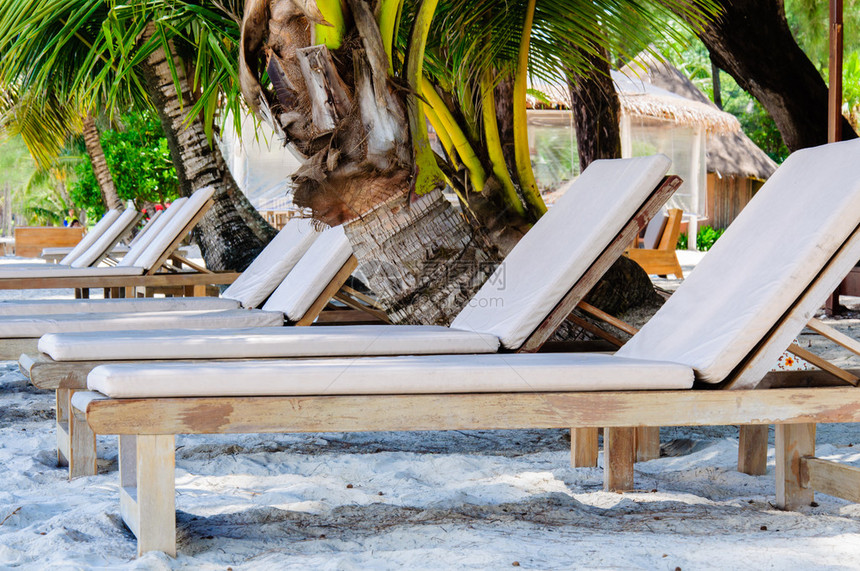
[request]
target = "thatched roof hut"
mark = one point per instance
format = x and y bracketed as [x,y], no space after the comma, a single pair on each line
[728,154]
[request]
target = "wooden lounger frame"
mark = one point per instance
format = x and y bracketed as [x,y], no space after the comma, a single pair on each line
[67,377]
[147,426]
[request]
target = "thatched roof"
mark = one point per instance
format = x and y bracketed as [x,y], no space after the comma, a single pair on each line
[727,153]
[642,99]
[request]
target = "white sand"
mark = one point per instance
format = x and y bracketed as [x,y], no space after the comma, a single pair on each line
[488,500]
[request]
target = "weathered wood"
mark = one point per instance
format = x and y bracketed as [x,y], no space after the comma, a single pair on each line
[31,240]
[647,443]
[153,280]
[333,286]
[12,348]
[831,478]
[603,316]
[214,415]
[752,449]
[82,445]
[61,415]
[823,364]
[588,280]
[595,330]
[756,365]
[834,335]
[583,447]
[793,442]
[618,456]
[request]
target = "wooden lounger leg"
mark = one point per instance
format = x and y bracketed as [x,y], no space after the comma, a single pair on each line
[148,490]
[618,455]
[793,442]
[752,449]
[583,447]
[647,443]
[63,427]
[82,444]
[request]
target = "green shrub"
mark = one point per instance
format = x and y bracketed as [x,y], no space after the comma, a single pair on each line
[705,239]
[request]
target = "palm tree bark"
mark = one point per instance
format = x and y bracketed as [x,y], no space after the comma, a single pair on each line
[92,140]
[232,232]
[751,41]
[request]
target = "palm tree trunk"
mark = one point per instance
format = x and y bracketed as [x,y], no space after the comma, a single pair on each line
[422,259]
[93,143]
[232,232]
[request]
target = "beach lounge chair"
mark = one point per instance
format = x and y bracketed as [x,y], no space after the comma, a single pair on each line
[93,247]
[658,256]
[59,254]
[583,234]
[249,290]
[153,262]
[723,328]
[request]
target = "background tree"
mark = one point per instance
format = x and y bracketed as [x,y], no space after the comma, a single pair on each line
[86,51]
[751,40]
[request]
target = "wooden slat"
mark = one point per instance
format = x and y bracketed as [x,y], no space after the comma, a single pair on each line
[831,478]
[61,415]
[31,240]
[618,457]
[793,442]
[611,253]
[213,415]
[583,447]
[823,364]
[834,335]
[155,280]
[603,316]
[12,348]
[752,449]
[595,330]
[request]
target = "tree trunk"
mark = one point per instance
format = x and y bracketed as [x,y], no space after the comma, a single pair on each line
[596,109]
[93,143]
[422,260]
[751,41]
[232,232]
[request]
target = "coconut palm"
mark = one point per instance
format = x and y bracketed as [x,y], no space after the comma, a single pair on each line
[349,84]
[99,56]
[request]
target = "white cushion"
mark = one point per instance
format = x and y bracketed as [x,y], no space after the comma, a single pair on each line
[768,256]
[310,276]
[106,240]
[90,237]
[174,227]
[555,253]
[321,341]
[273,264]
[389,375]
[61,272]
[14,326]
[118,305]
[152,233]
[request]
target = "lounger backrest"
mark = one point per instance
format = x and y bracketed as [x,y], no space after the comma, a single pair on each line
[175,227]
[272,265]
[765,260]
[654,230]
[90,238]
[310,276]
[107,240]
[146,227]
[154,231]
[552,256]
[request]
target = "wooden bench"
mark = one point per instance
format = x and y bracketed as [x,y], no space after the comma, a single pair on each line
[31,240]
